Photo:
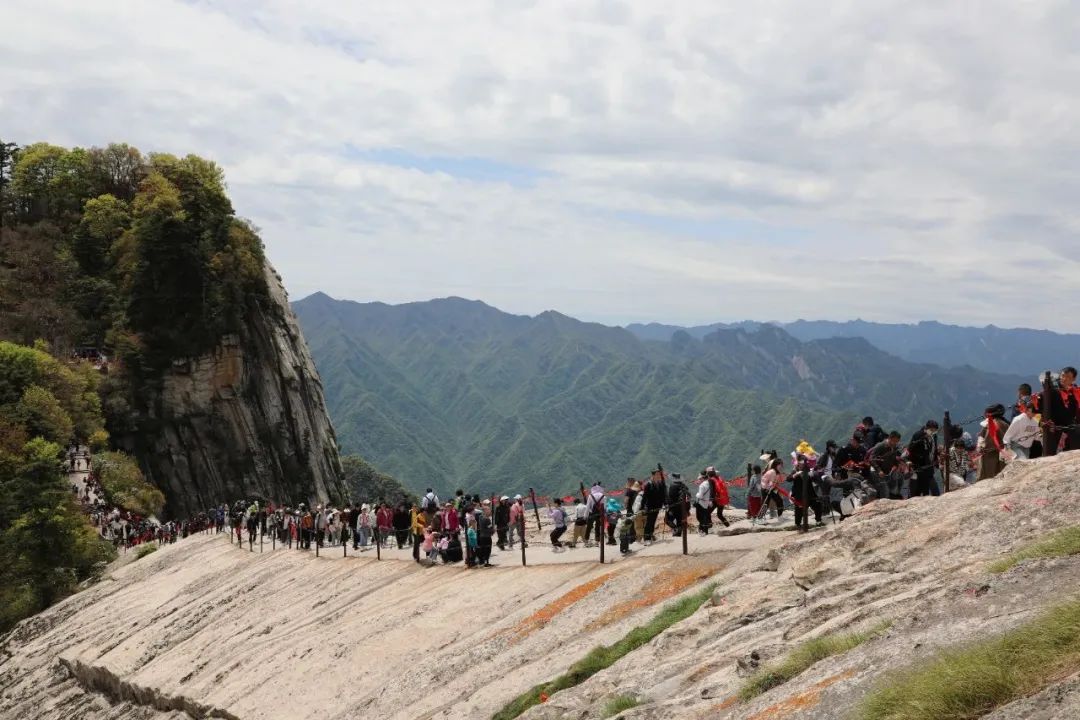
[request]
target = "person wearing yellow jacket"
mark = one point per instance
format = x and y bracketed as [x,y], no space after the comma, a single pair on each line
[419,522]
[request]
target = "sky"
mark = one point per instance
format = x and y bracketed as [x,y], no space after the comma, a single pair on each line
[683,162]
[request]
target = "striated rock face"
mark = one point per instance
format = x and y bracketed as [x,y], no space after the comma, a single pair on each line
[205,628]
[246,421]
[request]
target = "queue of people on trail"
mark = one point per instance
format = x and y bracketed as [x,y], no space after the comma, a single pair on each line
[871,464]
[123,528]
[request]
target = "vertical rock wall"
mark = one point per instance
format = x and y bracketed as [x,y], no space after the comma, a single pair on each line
[246,421]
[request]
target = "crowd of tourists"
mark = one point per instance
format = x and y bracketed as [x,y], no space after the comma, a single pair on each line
[870,464]
[120,526]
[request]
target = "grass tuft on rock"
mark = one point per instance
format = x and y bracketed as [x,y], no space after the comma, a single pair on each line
[969,682]
[605,656]
[617,704]
[804,655]
[1058,544]
[144,550]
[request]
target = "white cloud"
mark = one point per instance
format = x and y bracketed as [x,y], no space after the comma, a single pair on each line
[682,162]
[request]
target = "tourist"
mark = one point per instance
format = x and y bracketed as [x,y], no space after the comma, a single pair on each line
[990,442]
[703,503]
[753,493]
[517,512]
[922,452]
[1023,430]
[720,494]
[418,523]
[594,504]
[655,492]
[402,524]
[502,520]
[804,497]
[581,519]
[770,484]
[558,518]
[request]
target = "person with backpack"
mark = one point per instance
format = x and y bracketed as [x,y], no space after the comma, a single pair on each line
[430,502]
[720,494]
[581,519]
[558,517]
[655,491]
[922,452]
[594,504]
[872,434]
[678,498]
[703,503]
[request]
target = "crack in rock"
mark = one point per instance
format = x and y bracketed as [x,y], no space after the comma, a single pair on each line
[98,679]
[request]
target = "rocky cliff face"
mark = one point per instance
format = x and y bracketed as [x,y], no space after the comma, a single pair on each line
[245,421]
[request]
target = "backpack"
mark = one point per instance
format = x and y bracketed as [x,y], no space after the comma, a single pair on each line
[676,492]
[428,503]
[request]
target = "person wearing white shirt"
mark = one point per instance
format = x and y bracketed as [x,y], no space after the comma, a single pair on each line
[1023,430]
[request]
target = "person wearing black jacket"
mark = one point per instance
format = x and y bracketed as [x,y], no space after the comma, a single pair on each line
[852,453]
[654,493]
[872,432]
[1061,406]
[402,522]
[502,521]
[802,490]
[922,452]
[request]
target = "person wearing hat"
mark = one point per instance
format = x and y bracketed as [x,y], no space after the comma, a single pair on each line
[517,510]
[922,452]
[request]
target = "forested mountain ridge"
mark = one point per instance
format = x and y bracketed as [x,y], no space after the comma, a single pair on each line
[1005,350]
[455,392]
[138,314]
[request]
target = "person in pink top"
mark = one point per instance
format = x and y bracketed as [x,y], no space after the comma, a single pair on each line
[517,510]
[770,482]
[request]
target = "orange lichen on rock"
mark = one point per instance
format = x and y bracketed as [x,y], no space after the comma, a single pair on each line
[547,613]
[664,585]
[803,701]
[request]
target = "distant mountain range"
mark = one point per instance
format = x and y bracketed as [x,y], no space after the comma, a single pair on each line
[1018,351]
[456,393]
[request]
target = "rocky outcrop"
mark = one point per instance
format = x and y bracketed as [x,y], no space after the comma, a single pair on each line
[245,421]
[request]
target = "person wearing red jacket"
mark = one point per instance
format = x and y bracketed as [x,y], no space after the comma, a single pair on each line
[720,493]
